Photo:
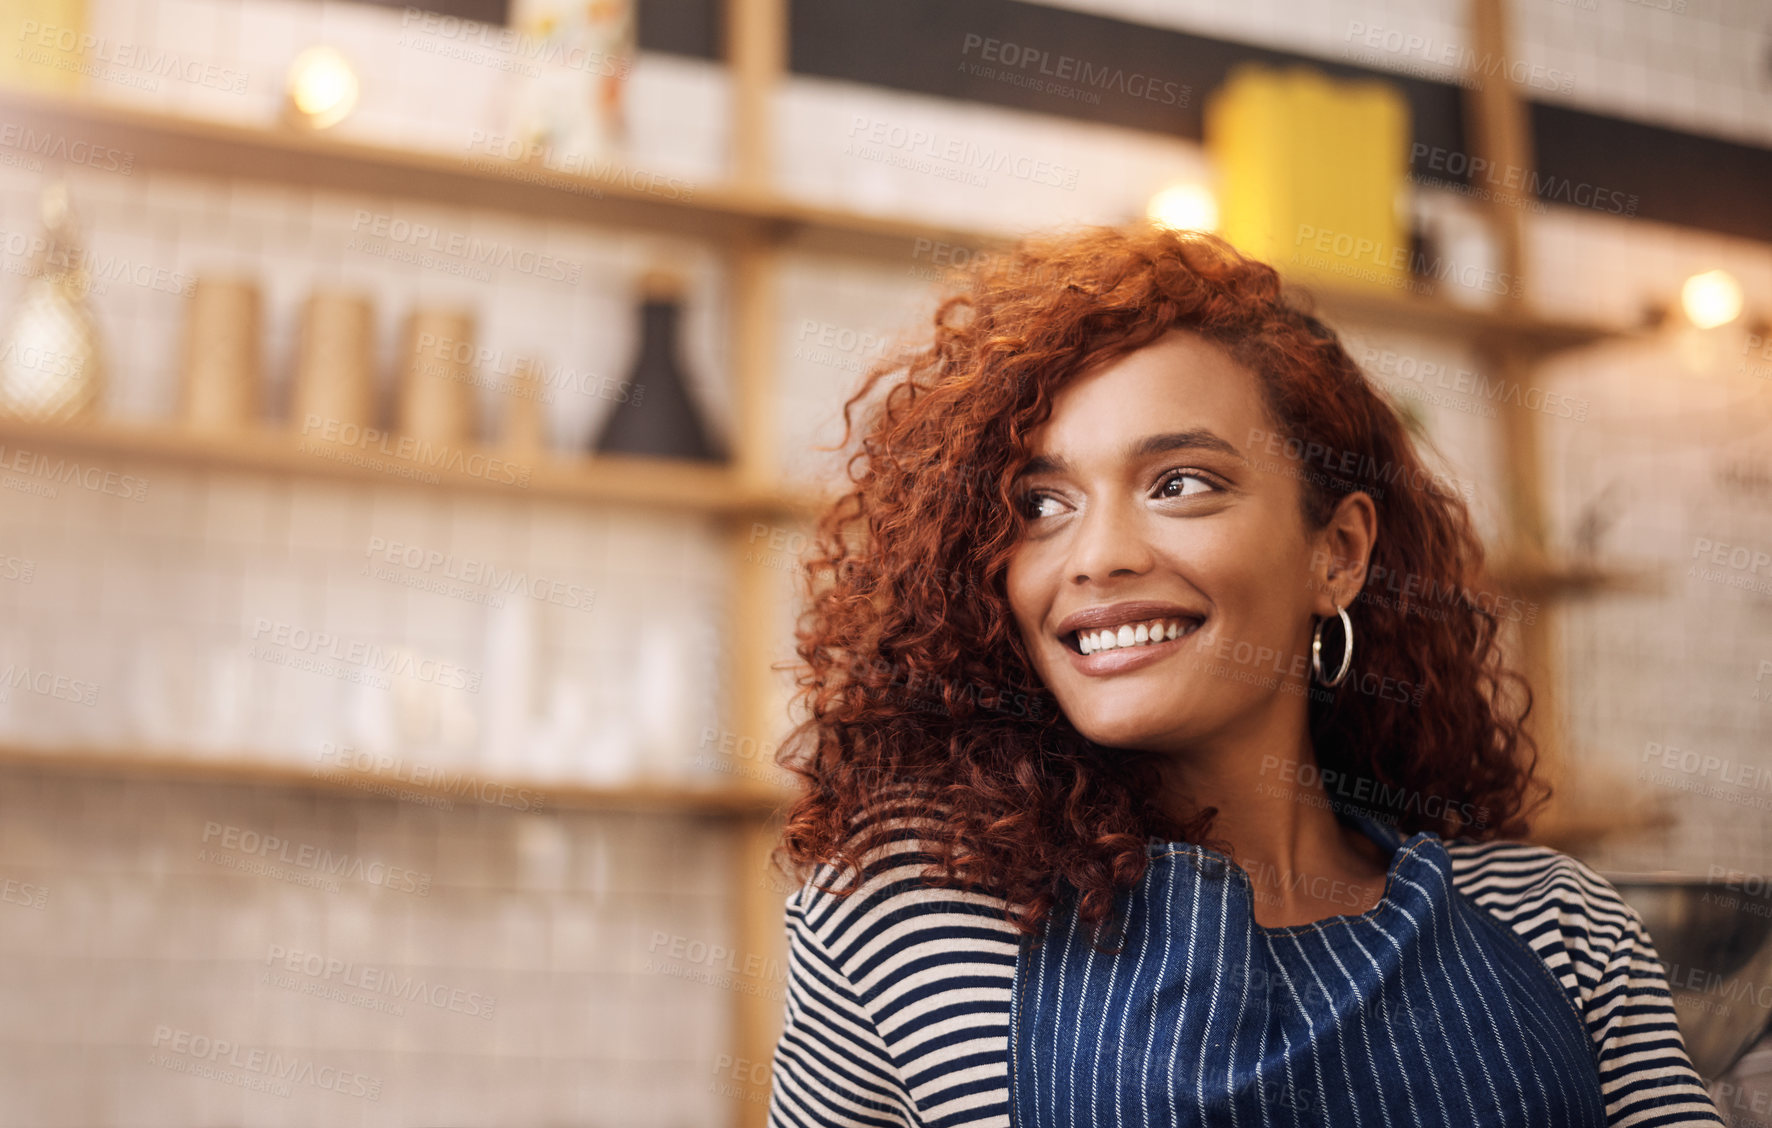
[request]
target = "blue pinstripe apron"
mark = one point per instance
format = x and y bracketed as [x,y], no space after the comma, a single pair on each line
[1424,1011]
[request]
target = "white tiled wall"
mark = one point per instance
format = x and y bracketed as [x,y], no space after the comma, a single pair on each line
[171,631]
[524,968]
[427,85]
[974,166]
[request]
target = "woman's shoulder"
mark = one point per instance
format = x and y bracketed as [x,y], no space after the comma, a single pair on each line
[1510,874]
[1575,919]
[888,897]
[1596,945]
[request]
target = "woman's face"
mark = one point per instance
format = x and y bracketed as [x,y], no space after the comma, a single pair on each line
[1151,482]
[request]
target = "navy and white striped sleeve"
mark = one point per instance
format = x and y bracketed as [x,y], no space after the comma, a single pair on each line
[1594,942]
[1645,1072]
[831,1066]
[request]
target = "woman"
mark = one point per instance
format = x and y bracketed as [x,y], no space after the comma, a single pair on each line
[1162,759]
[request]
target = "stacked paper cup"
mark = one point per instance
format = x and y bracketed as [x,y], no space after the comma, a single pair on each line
[335,365]
[222,371]
[437,398]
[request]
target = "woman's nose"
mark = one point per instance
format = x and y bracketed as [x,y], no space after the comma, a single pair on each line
[1109,539]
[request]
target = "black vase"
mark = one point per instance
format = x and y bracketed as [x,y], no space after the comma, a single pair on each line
[658,418]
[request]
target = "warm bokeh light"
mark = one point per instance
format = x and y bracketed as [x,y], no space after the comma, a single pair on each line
[322,86]
[1711,299]
[1185,206]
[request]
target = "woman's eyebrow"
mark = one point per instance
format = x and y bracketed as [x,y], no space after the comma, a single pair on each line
[1198,438]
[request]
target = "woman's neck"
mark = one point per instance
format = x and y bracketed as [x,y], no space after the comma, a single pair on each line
[1280,823]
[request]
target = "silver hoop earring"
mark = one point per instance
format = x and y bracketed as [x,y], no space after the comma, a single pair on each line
[1347,653]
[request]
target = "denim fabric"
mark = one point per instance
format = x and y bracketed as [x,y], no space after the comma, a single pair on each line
[1424,1011]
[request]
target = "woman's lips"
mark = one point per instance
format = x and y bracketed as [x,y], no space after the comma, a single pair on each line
[1124,658]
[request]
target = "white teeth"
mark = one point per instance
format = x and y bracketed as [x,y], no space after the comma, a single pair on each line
[1129,634]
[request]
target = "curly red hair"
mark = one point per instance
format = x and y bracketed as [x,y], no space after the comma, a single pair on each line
[915,681]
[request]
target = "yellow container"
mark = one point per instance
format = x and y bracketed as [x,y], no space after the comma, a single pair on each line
[45,51]
[1313,174]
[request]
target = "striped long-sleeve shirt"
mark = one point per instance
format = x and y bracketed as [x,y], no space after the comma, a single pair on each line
[898,1009]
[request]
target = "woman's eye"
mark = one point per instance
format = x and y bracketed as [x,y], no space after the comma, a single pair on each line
[1200,484]
[1030,503]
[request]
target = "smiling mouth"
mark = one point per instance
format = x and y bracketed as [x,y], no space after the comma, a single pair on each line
[1130,636]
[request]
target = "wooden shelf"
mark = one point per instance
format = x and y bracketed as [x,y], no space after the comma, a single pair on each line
[672,484]
[1560,580]
[331,162]
[1535,336]
[728,800]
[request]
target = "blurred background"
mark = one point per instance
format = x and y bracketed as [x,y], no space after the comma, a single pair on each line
[408,427]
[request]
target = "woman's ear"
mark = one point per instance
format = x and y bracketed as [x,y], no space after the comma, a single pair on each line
[1343,552]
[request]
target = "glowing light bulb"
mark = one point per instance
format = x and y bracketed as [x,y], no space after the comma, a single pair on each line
[1711,299]
[1185,206]
[322,86]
